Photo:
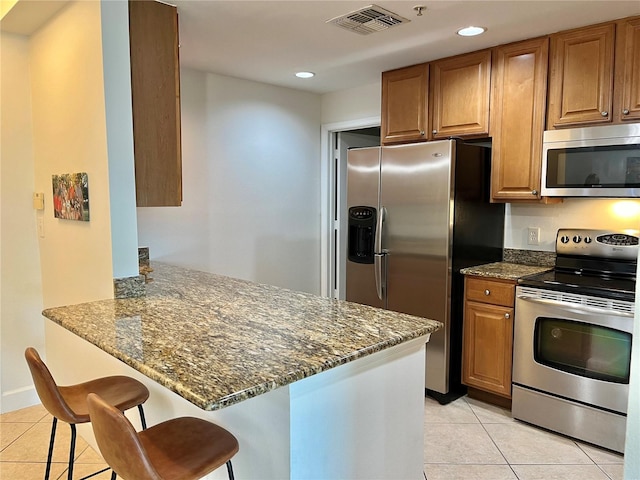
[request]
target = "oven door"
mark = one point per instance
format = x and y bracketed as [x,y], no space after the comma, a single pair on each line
[573,346]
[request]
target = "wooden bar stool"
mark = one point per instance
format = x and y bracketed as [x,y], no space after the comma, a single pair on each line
[184,448]
[69,403]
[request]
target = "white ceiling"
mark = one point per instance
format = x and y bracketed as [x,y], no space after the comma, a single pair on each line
[268,41]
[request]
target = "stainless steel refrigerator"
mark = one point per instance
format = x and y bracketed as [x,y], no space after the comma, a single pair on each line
[417,214]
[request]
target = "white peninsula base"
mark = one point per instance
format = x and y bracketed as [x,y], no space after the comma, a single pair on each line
[361,420]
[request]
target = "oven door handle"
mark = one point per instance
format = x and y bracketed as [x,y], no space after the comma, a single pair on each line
[575,307]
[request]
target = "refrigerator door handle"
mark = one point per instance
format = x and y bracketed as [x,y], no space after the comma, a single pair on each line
[379,255]
[379,269]
[377,243]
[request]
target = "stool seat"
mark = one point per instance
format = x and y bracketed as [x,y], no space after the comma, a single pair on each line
[69,403]
[184,448]
[120,391]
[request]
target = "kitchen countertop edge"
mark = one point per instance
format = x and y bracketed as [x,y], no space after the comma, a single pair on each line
[504,270]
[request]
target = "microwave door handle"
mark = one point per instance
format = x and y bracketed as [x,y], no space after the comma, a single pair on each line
[582,309]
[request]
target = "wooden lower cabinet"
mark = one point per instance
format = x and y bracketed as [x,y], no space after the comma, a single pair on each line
[488,335]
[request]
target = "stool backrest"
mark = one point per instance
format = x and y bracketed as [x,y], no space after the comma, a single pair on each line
[118,441]
[47,388]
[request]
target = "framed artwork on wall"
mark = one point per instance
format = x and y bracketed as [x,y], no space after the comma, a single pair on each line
[71,196]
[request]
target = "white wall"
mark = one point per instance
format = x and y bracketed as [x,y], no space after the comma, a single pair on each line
[572,213]
[251,206]
[69,133]
[20,284]
[180,235]
[352,104]
[54,120]
[119,129]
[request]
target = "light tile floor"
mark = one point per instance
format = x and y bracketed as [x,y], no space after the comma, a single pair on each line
[466,440]
[469,439]
[24,443]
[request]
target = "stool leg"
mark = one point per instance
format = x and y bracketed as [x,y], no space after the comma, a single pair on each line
[142,419]
[96,473]
[230,470]
[72,450]
[51,441]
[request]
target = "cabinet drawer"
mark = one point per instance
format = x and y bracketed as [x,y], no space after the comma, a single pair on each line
[490,291]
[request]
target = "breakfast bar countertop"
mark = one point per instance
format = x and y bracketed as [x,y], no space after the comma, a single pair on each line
[216,340]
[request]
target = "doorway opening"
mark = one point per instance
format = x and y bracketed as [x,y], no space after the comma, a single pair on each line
[338,139]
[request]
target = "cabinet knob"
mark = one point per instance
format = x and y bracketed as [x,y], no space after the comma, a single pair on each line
[604,114]
[422,132]
[434,131]
[534,192]
[625,111]
[487,292]
[507,316]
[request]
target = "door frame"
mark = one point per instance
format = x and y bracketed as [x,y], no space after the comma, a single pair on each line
[328,171]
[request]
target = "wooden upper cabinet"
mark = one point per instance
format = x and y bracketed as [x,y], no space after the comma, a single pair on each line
[627,86]
[404,105]
[581,76]
[518,101]
[459,95]
[155,92]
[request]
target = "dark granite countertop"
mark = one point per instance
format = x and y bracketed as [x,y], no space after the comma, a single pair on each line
[504,270]
[216,340]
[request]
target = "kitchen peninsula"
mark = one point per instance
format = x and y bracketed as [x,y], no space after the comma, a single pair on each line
[311,387]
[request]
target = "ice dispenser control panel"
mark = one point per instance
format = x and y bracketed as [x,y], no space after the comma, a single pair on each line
[362,232]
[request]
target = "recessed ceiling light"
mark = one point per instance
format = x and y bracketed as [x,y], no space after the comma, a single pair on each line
[305,74]
[471,31]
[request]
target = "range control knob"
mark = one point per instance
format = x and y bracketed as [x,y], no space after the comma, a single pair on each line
[577,239]
[587,239]
[564,239]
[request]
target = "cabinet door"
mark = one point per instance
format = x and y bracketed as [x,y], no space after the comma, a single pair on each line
[155,95]
[518,102]
[581,76]
[627,88]
[404,104]
[487,347]
[459,95]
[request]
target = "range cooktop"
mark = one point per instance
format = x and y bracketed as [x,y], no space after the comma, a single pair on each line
[599,263]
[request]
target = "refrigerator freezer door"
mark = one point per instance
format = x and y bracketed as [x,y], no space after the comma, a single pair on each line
[363,187]
[416,193]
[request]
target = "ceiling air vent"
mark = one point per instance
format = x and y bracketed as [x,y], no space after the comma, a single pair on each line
[368,20]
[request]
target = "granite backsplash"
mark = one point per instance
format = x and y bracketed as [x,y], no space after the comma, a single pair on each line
[529,257]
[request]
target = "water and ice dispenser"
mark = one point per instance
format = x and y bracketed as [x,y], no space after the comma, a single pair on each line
[362,233]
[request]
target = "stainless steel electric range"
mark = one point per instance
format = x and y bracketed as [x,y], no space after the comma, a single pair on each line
[572,338]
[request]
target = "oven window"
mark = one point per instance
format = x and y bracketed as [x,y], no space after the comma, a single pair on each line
[583,349]
[611,166]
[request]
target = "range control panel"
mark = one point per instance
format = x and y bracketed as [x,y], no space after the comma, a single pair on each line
[598,243]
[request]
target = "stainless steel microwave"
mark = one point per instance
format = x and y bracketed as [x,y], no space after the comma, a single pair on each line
[599,161]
